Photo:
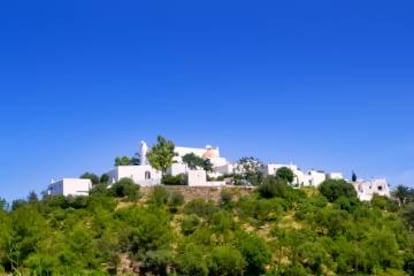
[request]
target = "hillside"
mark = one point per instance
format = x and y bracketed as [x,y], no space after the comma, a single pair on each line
[274,230]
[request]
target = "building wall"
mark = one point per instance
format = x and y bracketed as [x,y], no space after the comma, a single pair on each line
[271,169]
[316,178]
[335,176]
[198,178]
[143,175]
[224,169]
[71,186]
[177,168]
[367,189]
[181,151]
[56,188]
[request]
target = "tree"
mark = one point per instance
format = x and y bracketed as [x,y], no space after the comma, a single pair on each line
[401,193]
[3,204]
[93,177]
[195,162]
[251,170]
[333,189]
[32,197]
[354,177]
[136,159]
[104,179]
[122,161]
[161,155]
[285,174]
[192,161]
[408,215]
[255,252]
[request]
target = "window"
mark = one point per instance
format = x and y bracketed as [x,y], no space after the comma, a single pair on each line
[147,175]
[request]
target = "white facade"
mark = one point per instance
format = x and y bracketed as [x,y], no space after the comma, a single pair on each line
[177,168]
[198,178]
[209,152]
[271,169]
[70,187]
[310,178]
[225,169]
[367,189]
[143,175]
[316,178]
[335,176]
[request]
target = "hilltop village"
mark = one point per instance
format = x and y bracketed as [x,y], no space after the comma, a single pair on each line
[189,211]
[188,168]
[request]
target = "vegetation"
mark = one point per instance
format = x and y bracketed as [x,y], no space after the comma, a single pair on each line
[250,171]
[161,155]
[127,161]
[195,162]
[285,174]
[275,230]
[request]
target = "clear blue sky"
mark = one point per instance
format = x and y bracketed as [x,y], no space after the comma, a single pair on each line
[324,84]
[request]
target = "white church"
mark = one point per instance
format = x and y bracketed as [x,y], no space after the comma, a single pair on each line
[145,175]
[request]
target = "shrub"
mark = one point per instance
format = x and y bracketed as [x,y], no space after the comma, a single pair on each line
[180,179]
[226,197]
[175,200]
[225,260]
[125,187]
[201,208]
[255,251]
[159,196]
[272,187]
[190,224]
[334,189]
[285,174]
[191,261]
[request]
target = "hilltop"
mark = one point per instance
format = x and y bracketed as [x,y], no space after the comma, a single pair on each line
[271,230]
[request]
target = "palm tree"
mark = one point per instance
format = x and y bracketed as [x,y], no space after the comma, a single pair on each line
[401,193]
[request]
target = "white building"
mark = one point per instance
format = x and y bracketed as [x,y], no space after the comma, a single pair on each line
[316,178]
[310,178]
[209,152]
[367,189]
[143,175]
[198,178]
[70,187]
[335,176]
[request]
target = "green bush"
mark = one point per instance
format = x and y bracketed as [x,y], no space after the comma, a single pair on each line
[175,200]
[159,196]
[125,188]
[201,208]
[226,197]
[190,224]
[178,180]
[272,187]
[226,261]
[334,189]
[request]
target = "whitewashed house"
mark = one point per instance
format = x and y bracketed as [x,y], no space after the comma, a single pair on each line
[144,175]
[367,189]
[303,178]
[70,187]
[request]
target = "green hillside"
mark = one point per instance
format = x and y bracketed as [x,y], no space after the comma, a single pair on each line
[274,230]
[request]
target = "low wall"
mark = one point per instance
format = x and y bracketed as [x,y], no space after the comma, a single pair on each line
[207,193]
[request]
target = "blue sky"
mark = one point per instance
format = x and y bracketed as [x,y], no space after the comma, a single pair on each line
[324,84]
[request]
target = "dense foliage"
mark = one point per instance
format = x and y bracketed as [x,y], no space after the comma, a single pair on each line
[276,230]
